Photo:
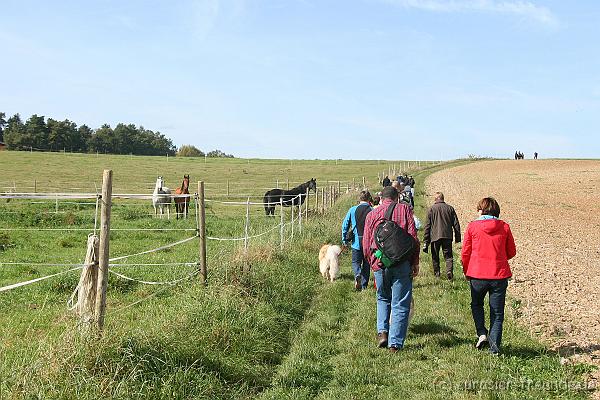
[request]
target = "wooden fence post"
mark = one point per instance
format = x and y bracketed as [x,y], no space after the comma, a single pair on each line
[322,200]
[307,201]
[104,252]
[300,213]
[339,188]
[292,221]
[281,223]
[287,183]
[364,183]
[353,183]
[35,186]
[247,226]
[317,200]
[202,231]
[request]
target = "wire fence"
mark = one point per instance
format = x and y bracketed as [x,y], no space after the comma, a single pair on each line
[64,198]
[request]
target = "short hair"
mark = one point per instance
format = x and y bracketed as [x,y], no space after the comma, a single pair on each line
[389,192]
[489,206]
[365,195]
[376,200]
[439,196]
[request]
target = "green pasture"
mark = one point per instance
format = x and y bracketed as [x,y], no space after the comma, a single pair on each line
[275,331]
[74,172]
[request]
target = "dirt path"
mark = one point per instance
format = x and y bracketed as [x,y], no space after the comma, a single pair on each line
[554,212]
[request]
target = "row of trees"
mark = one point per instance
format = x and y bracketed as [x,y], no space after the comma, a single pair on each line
[37,133]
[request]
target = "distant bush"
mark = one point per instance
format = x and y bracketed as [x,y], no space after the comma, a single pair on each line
[189,151]
[218,153]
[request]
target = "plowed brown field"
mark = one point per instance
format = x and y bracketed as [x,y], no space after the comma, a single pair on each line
[553,208]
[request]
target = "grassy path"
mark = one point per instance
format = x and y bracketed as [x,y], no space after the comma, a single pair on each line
[333,353]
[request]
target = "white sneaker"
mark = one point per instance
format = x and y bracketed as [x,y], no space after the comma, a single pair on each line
[483,340]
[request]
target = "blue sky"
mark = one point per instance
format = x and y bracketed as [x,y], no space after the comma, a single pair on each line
[364,79]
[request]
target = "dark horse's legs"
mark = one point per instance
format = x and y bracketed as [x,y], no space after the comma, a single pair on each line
[269,207]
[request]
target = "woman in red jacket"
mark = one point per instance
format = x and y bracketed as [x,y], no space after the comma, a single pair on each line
[488,245]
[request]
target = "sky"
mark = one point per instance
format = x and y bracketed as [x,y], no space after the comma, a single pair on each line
[351,79]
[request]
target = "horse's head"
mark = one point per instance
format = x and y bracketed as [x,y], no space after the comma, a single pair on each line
[312,185]
[186,182]
[159,182]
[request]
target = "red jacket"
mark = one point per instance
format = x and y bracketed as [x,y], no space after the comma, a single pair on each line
[402,215]
[487,247]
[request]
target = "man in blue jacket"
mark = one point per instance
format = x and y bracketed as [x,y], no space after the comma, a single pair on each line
[352,232]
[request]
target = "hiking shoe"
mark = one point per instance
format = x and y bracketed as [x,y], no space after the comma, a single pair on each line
[382,339]
[437,274]
[357,283]
[394,349]
[482,341]
[450,276]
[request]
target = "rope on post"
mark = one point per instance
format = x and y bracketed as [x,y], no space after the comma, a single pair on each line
[87,286]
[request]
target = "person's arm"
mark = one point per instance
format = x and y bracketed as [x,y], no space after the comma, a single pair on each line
[465,254]
[456,226]
[410,228]
[346,224]
[511,249]
[367,237]
[427,231]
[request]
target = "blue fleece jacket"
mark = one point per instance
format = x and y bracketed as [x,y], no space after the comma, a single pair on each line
[350,219]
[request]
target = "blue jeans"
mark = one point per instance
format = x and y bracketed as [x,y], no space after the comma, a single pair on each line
[394,292]
[361,267]
[497,290]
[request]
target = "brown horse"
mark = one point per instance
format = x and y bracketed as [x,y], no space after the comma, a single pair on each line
[182,203]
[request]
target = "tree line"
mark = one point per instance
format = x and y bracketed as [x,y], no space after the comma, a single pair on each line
[41,134]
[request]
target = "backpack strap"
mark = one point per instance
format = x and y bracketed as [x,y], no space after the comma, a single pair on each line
[390,211]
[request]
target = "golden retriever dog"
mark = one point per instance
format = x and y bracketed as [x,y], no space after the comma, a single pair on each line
[328,261]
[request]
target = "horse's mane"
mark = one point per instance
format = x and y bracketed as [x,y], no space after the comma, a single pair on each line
[297,190]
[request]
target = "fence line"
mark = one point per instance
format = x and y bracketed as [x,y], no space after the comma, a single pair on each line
[21,284]
[55,197]
[167,246]
[152,294]
[147,282]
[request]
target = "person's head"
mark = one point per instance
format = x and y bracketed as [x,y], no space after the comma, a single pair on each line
[389,192]
[365,195]
[489,206]
[439,196]
[376,200]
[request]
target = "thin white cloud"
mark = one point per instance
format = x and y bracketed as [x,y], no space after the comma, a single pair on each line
[520,8]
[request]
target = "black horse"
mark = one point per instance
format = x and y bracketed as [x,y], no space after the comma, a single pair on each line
[292,197]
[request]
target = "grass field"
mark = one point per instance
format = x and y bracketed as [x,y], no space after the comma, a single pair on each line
[276,332]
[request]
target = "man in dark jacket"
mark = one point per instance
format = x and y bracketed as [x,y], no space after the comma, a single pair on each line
[441,221]
[386,181]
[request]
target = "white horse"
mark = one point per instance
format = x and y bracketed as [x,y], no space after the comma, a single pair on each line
[161,198]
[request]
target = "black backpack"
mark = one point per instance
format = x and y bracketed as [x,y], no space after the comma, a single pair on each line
[394,242]
[360,214]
